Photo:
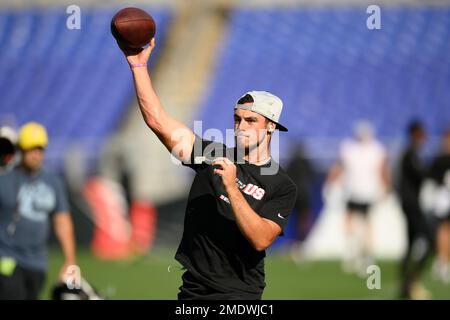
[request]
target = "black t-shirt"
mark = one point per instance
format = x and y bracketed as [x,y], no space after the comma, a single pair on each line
[439,168]
[412,174]
[212,248]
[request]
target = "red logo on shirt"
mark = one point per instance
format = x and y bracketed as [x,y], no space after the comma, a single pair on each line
[254,191]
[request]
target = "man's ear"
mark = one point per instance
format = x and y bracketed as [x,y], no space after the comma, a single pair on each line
[271,127]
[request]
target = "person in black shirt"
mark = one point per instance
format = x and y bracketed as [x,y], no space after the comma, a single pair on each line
[240,199]
[412,174]
[301,170]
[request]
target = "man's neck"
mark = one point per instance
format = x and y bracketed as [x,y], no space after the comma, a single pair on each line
[258,156]
[28,170]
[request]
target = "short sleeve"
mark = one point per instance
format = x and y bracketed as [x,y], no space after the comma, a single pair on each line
[204,152]
[62,204]
[279,207]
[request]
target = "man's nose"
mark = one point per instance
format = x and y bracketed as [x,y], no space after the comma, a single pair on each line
[242,125]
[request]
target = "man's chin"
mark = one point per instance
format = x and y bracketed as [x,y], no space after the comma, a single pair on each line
[242,146]
[33,167]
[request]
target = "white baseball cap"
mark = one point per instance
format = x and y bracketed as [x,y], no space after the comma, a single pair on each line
[265,104]
[8,133]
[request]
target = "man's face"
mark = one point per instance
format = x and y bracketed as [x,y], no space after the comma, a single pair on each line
[419,136]
[250,129]
[32,159]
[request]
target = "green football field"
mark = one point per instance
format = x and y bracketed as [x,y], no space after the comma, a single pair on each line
[158,276]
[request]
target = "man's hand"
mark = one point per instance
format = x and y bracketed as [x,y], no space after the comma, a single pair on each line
[227,172]
[68,272]
[137,56]
[259,231]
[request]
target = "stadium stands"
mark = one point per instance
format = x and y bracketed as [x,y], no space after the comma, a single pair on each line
[325,61]
[75,82]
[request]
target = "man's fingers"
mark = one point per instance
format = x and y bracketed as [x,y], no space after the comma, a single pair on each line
[148,52]
[222,160]
[150,47]
[221,165]
[127,50]
[218,162]
[219,172]
[225,160]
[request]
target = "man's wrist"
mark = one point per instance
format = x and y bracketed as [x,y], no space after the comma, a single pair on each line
[70,261]
[138,65]
[232,190]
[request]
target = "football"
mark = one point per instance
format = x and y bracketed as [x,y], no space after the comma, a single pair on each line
[133,27]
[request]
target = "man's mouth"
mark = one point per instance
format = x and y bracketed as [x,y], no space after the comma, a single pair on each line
[242,135]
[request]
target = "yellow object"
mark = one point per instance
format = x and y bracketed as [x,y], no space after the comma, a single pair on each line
[7,266]
[32,135]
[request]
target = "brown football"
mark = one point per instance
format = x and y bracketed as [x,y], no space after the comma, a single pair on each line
[134,27]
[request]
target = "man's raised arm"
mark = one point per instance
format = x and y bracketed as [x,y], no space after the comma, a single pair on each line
[176,137]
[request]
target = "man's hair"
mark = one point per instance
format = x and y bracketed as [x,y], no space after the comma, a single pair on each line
[249,99]
[246,99]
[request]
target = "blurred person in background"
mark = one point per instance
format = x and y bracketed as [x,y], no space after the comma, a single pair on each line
[363,170]
[440,177]
[29,198]
[8,140]
[301,171]
[411,176]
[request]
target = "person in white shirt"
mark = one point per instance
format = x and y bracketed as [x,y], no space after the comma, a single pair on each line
[363,171]
[438,205]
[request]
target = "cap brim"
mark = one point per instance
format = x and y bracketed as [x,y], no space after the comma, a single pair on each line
[281,127]
[249,107]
